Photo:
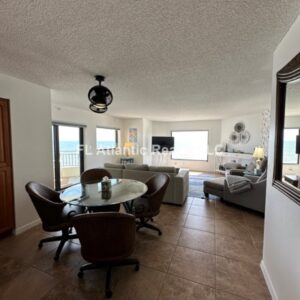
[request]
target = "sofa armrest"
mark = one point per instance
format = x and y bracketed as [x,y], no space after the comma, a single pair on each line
[181,186]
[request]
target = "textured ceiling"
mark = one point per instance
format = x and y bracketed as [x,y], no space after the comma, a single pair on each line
[163,59]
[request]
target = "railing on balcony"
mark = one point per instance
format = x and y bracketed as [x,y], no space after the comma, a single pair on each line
[69,159]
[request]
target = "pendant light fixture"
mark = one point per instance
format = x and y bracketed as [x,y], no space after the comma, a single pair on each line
[99,96]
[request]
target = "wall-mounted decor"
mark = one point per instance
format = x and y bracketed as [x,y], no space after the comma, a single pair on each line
[239,127]
[239,135]
[234,137]
[245,137]
[132,135]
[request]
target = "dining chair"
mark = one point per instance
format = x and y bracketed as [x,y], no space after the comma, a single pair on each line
[107,240]
[148,206]
[93,176]
[55,215]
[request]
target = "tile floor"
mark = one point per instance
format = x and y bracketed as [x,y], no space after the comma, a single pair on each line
[208,250]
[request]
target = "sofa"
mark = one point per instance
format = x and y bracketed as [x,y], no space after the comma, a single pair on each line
[253,199]
[178,187]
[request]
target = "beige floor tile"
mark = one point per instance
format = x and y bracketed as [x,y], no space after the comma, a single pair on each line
[203,202]
[170,233]
[198,240]
[154,254]
[194,265]
[220,295]
[170,217]
[201,223]
[67,266]
[232,228]
[241,278]
[176,288]
[253,219]
[202,211]
[67,291]
[29,284]
[145,284]
[257,234]
[237,249]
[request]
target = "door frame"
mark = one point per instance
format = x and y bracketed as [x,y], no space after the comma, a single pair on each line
[9,230]
[56,149]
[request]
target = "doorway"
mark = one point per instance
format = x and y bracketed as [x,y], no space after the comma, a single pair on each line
[7,218]
[68,154]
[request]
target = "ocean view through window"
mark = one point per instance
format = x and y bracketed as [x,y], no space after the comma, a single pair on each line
[107,138]
[289,146]
[190,145]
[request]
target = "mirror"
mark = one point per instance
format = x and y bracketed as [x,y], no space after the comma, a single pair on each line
[287,144]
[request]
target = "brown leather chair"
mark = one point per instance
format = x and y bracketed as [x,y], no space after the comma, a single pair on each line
[107,240]
[55,215]
[94,176]
[148,206]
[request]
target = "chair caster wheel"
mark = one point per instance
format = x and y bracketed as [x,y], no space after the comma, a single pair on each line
[137,267]
[40,245]
[80,274]
[108,294]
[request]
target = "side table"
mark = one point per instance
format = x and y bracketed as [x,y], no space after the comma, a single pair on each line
[126,160]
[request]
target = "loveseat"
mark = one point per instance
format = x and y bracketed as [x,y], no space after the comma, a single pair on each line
[178,187]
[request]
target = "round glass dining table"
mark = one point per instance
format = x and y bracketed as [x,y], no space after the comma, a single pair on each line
[91,195]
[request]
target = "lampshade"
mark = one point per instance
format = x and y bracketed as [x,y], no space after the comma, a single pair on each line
[128,145]
[259,152]
[298,144]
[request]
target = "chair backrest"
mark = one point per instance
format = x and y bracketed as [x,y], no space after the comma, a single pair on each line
[46,202]
[157,186]
[105,236]
[94,175]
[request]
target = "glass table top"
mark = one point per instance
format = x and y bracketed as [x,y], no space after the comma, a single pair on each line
[90,195]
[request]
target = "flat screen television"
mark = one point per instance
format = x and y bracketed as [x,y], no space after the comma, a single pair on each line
[162,143]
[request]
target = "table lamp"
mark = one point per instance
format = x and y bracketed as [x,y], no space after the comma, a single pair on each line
[127,147]
[259,154]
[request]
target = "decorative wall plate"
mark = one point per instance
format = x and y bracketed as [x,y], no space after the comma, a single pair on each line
[239,127]
[234,137]
[245,137]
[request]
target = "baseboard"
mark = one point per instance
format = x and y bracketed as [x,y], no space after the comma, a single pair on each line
[27,226]
[268,280]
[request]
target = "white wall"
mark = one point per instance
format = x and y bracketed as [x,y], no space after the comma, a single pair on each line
[281,254]
[214,138]
[253,124]
[91,120]
[30,109]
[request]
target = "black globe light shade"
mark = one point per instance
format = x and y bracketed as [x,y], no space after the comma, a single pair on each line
[99,96]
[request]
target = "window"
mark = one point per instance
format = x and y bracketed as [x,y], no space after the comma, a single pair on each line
[107,138]
[289,146]
[191,145]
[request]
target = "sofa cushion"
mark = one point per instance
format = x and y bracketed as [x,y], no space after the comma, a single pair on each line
[163,169]
[137,167]
[232,165]
[216,184]
[113,166]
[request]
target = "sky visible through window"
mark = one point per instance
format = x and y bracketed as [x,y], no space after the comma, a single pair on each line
[289,146]
[106,138]
[191,145]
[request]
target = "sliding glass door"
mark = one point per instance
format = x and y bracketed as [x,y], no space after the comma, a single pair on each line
[68,158]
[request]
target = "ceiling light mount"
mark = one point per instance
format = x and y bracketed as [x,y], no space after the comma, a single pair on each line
[99,96]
